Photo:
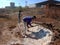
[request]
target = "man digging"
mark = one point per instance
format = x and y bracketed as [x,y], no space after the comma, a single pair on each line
[27,21]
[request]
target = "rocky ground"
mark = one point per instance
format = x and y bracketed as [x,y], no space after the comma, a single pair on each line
[38,35]
[10,32]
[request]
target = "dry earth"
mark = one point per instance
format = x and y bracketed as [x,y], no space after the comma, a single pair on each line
[37,35]
[11,33]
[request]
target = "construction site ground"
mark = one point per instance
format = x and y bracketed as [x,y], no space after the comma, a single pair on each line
[10,31]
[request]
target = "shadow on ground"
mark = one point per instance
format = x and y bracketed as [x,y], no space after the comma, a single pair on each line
[38,35]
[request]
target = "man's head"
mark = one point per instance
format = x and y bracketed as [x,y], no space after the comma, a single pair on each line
[34,17]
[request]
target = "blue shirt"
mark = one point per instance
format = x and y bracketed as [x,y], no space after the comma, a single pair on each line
[27,19]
